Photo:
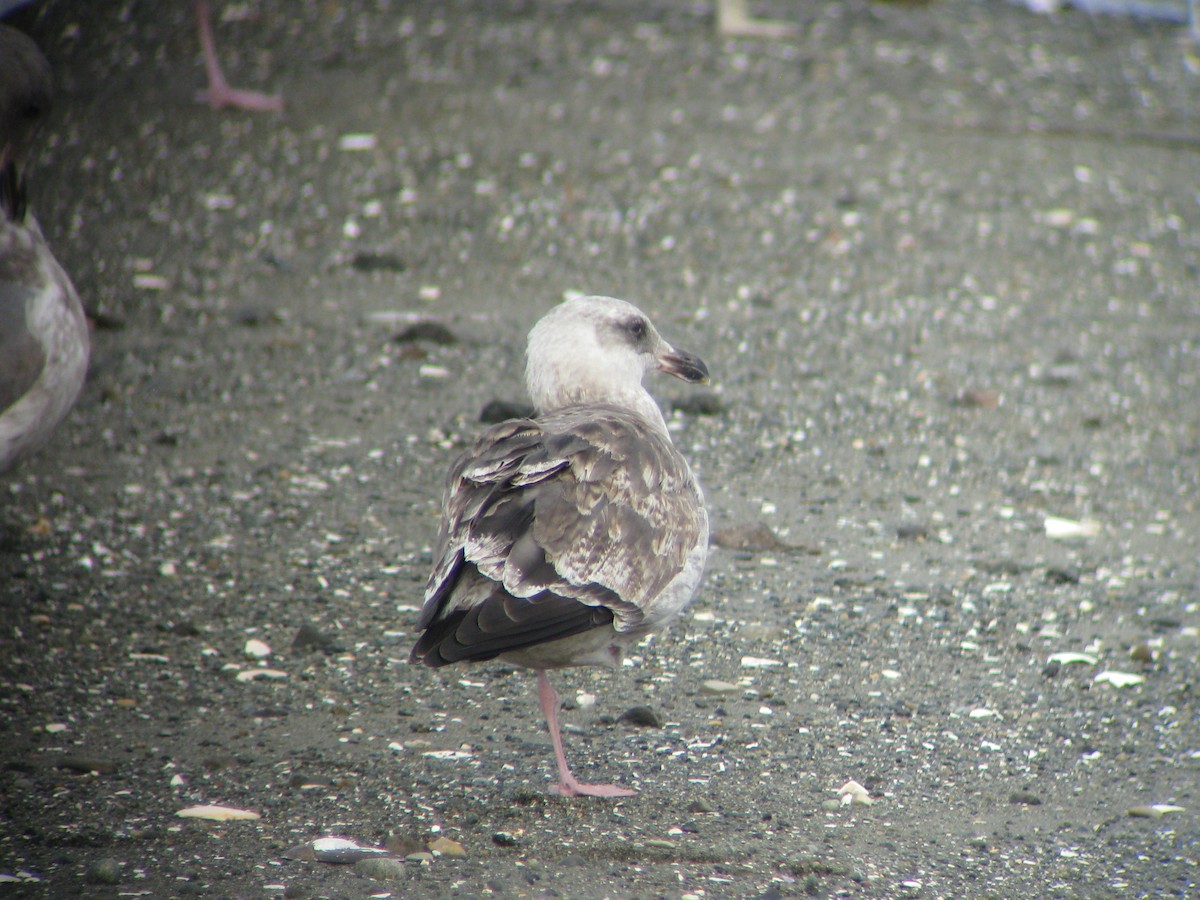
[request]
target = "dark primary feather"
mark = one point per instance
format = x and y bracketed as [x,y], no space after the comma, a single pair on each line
[503,623]
[544,526]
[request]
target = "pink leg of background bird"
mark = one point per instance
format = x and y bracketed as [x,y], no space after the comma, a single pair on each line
[219,94]
[567,785]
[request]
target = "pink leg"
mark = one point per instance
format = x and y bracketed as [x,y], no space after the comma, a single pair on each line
[567,785]
[219,94]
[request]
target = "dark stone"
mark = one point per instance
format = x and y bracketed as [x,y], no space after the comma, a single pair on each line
[433,332]
[309,637]
[78,762]
[1025,798]
[369,261]
[641,717]
[1065,575]
[104,871]
[913,532]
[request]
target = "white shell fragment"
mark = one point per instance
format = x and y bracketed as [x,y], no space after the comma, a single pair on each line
[148,281]
[1069,529]
[257,649]
[261,674]
[217,813]
[1060,217]
[343,850]
[854,793]
[1154,811]
[357,142]
[1066,657]
[448,754]
[758,662]
[1119,679]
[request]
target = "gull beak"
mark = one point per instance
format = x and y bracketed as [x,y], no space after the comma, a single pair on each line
[684,365]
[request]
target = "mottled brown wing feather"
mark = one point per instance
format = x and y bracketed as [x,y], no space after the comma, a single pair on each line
[545,529]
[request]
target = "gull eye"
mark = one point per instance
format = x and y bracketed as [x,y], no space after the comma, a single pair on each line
[637,329]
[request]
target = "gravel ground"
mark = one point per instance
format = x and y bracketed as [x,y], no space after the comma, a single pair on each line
[943,264]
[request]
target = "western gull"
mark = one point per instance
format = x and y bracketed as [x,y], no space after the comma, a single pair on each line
[567,537]
[43,332]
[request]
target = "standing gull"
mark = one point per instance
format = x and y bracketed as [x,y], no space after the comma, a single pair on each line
[43,333]
[570,536]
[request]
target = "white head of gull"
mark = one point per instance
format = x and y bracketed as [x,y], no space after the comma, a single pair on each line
[43,332]
[568,537]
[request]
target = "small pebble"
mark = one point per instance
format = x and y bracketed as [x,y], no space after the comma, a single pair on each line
[1024,798]
[717,686]
[447,847]
[431,332]
[367,261]
[104,871]
[1141,653]
[85,764]
[912,532]
[641,717]
[256,649]
[403,844]
[976,398]
[1057,575]
[309,637]
[752,536]
[383,868]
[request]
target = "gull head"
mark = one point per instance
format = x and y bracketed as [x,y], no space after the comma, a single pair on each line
[599,350]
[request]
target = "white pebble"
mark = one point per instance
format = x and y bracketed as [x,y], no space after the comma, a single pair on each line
[257,649]
[356,143]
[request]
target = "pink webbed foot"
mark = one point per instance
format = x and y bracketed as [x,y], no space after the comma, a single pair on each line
[578,789]
[567,785]
[219,94]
